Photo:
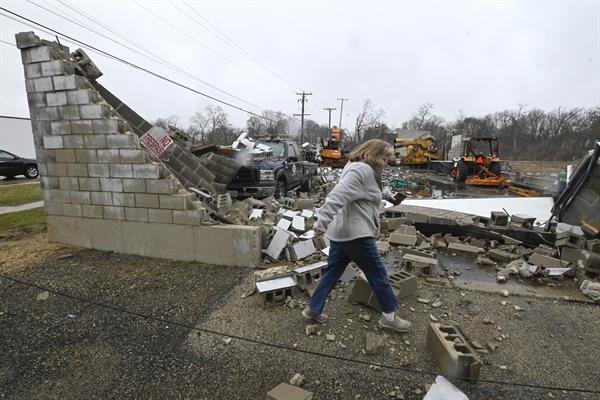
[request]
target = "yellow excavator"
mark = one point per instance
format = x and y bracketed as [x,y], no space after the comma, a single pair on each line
[416,151]
[331,153]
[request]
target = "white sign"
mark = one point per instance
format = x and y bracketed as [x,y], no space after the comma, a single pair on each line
[156,140]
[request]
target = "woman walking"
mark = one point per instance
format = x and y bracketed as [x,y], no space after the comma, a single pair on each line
[349,218]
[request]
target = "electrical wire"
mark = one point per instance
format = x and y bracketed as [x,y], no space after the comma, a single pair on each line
[191,37]
[153,57]
[13,117]
[52,31]
[9,43]
[283,347]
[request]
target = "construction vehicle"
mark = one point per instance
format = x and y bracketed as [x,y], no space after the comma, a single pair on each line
[416,151]
[332,155]
[479,164]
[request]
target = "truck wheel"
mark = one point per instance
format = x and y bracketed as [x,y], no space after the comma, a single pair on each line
[462,172]
[31,172]
[280,189]
[307,185]
[495,168]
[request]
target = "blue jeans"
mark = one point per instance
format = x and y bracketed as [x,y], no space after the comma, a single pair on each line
[364,253]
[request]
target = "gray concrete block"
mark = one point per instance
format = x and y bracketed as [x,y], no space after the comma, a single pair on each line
[133,156]
[146,200]
[123,199]
[82,96]
[79,197]
[285,391]
[64,155]
[149,171]
[464,249]
[36,100]
[123,141]
[502,255]
[91,211]
[545,261]
[108,156]
[111,185]
[56,169]
[74,169]
[29,86]
[94,141]
[37,54]
[45,114]
[69,82]
[86,156]
[68,112]
[452,351]
[53,142]
[72,210]
[161,216]
[134,186]
[98,170]
[121,170]
[136,214]
[32,71]
[53,208]
[397,238]
[49,182]
[94,111]
[101,198]
[161,186]
[56,67]
[91,184]
[73,141]
[106,126]
[41,128]
[56,99]
[25,40]
[44,156]
[173,202]
[188,217]
[68,183]
[42,169]
[81,127]
[42,85]
[111,212]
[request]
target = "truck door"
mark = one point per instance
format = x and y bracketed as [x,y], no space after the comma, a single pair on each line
[8,164]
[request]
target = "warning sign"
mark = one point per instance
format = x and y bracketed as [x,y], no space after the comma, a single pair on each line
[156,140]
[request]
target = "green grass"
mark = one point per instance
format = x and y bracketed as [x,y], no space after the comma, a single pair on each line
[20,194]
[33,220]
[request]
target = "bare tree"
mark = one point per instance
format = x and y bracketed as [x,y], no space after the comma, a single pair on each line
[199,127]
[366,118]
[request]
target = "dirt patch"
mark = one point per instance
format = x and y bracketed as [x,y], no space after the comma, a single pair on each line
[20,250]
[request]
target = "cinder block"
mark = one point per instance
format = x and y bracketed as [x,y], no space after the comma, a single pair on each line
[452,351]
[45,156]
[73,141]
[59,196]
[79,197]
[74,169]
[545,261]
[570,254]
[37,54]
[108,156]
[591,262]
[45,114]
[146,200]
[56,169]
[94,111]
[419,252]
[60,127]
[403,284]
[68,112]
[161,186]
[53,208]
[136,214]
[91,184]
[402,239]
[101,198]
[49,182]
[42,85]
[72,210]
[135,186]
[124,141]
[149,171]
[160,216]
[121,170]
[91,211]
[284,391]
[29,86]
[98,170]
[593,245]
[133,156]
[64,155]
[86,156]
[36,100]
[306,275]
[568,239]
[81,127]
[188,217]
[56,67]
[94,141]
[499,218]
[56,99]
[114,212]
[82,96]
[106,126]
[68,183]
[464,249]
[26,40]
[123,199]
[32,71]
[111,185]
[69,82]
[502,255]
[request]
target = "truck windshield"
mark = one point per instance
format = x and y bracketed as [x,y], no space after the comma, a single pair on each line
[277,148]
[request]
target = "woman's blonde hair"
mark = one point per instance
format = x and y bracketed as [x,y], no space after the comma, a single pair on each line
[373,152]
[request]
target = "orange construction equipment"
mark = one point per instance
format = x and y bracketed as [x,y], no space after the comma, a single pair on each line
[485,177]
[480,163]
[332,154]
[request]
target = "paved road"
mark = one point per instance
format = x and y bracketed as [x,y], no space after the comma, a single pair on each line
[22,207]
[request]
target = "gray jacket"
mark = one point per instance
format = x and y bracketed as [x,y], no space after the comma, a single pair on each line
[351,210]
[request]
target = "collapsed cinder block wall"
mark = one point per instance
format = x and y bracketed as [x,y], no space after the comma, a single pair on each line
[101,188]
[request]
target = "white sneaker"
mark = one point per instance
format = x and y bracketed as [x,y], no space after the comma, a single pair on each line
[398,325]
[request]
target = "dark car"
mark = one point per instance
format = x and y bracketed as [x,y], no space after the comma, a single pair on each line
[12,165]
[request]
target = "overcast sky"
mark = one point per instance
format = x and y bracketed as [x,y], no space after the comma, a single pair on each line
[477,57]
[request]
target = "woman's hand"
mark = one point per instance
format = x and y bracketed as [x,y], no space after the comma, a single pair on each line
[318,232]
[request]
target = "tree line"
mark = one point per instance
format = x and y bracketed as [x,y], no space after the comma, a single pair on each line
[524,133]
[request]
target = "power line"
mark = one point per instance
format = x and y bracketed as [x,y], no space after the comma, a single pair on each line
[9,43]
[13,117]
[104,53]
[329,110]
[302,100]
[341,99]
[227,40]
[157,60]
[205,46]
[283,347]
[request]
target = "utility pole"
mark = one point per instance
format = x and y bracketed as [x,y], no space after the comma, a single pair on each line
[341,110]
[303,100]
[330,109]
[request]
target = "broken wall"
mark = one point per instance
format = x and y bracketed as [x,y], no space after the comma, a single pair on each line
[101,189]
